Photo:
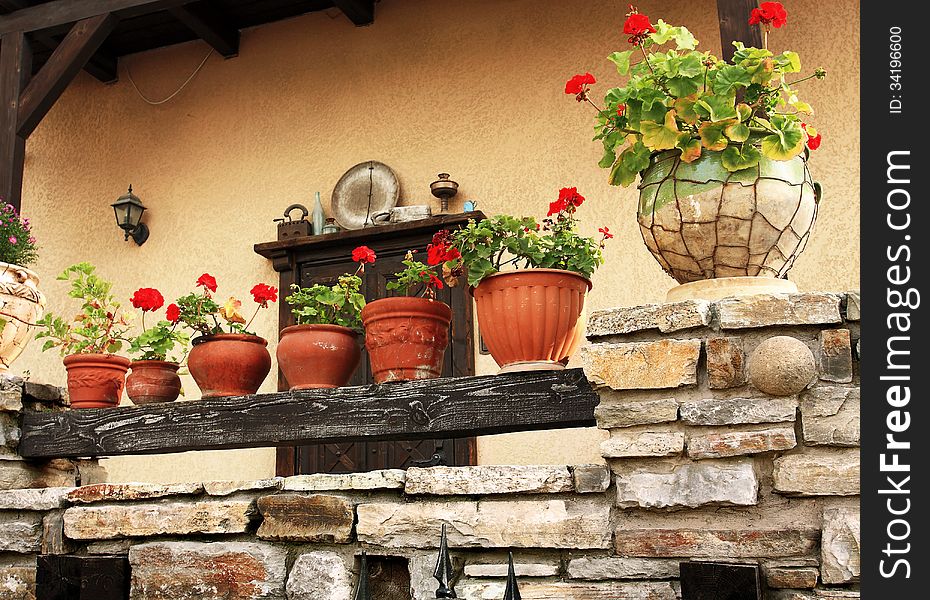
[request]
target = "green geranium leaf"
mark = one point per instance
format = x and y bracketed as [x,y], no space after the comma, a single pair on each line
[716,108]
[650,97]
[684,40]
[712,136]
[664,32]
[689,146]
[787,139]
[737,132]
[789,62]
[736,158]
[730,77]
[630,162]
[743,111]
[690,65]
[660,137]
[685,108]
[608,159]
[622,60]
[683,86]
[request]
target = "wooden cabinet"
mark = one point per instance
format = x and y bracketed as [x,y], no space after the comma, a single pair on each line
[322,259]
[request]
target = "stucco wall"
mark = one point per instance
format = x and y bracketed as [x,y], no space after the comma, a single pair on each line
[471,88]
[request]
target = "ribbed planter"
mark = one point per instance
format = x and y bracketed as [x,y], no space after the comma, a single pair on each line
[531,319]
[701,221]
[153,381]
[406,338]
[229,364]
[317,356]
[21,305]
[95,380]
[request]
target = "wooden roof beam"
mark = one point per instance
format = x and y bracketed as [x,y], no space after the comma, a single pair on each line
[734,25]
[61,13]
[360,12]
[209,25]
[15,67]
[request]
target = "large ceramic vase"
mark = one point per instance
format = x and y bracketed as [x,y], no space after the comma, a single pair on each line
[21,305]
[229,364]
[153,381]
[406,338]
[701,221]
[531,319]
[95,380]
[317,356]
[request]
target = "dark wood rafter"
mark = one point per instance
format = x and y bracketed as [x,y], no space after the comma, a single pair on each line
[66,61]
[735,27]
[209,25]
[61,13]
[360,12]
[15,67]
[425,409]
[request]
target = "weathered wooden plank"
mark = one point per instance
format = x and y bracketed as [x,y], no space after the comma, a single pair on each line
[450,407]
[735,27]
[62,12]
[15,67]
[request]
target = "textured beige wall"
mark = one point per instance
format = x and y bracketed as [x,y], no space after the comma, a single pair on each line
[471,88]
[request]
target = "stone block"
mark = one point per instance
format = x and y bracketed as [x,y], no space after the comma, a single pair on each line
[226,488]
[835,356]
[783,577]
[34,498]
[726,362]
[687,485]
[627,443]
[720,444]
[315,518]
[17,581]
[388,479]
[600,568]
[820,472]
[111,521]
[667,318]
[766,310]
[591,478]
[739,411]
[830,416]
[319,575]
[613,413]
[11,400]
[42,392]
[853,309]
[531,568]
[18,474]
[487,524]
[755,542]
[121,492]
[839,546]
[207,571]
[10,434]
[487,479]
[643,365]
[628,590]
[20,532]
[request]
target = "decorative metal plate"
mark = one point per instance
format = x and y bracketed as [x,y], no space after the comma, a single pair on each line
[365,195]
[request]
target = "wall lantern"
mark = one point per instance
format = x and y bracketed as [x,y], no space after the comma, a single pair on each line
[129,209]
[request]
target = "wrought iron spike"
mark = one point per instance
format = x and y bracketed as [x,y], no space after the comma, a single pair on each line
[362,592]
[513,590]
[443,571]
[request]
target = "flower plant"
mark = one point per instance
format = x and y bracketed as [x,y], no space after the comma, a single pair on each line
[677,98]
[201,313]
[423,279]
[338,304]
[17,244]
[98,328]
[159,341]
[490,245]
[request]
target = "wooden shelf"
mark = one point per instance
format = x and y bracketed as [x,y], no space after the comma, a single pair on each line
[450,407]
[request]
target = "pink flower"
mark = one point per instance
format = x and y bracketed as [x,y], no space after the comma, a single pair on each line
[13,239]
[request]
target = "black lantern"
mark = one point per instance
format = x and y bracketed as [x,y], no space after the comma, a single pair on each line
[129,209]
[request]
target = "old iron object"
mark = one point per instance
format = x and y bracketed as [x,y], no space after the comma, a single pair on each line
[444,189]
[443,572]
[363,592]
[289,228]
[512,592]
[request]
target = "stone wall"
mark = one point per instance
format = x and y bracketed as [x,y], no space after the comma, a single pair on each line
[734,428]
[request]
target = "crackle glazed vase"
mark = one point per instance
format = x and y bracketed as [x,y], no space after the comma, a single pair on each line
[21,305]
[701,221]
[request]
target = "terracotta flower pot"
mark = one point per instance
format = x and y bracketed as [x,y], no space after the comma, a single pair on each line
[95,380]
[229,364]
[153,381]
[531,319]
[318,356]
[406,338]
[21,305]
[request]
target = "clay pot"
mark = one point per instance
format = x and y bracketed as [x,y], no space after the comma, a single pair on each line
[153,381]
[229,364]
[531,319]
[406,338]
[317,356]
[95,380]
[21,305]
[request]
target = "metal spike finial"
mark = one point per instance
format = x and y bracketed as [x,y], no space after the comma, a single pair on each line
[362,592]
[513,590]
[443,571]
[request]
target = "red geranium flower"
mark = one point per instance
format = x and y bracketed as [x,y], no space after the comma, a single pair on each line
[556,207]
[813,141]
[173,313]
[147,299]
[571,196]
[606,232]
[637,26]
[263,294]
[621,108]
[363,254]
[434,281]
[436,254]
[207,281]
[769,13]
[576,85]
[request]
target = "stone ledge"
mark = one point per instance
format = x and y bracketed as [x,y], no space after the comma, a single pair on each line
[115,492]
[488,479]
[667,363]
[110,521]
[667,318]
[689,485]
[387,479]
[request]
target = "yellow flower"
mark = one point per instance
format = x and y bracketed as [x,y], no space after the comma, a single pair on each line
[230,311]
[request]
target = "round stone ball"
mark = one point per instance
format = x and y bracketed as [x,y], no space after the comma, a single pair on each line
[781,366]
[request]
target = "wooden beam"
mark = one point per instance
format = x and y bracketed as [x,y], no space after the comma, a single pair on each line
[64,12]
[210,26]
[735,27]
[360,12]
[425,409]
[66,61]
[15,68]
